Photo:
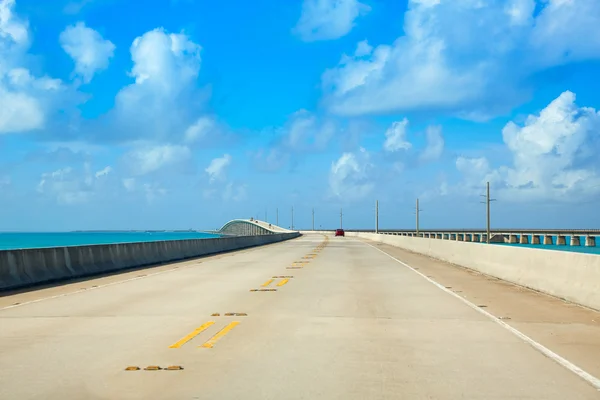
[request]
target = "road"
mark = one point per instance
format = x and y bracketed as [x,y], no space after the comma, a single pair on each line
[346,321]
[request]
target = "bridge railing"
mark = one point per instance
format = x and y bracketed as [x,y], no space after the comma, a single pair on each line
[559,237]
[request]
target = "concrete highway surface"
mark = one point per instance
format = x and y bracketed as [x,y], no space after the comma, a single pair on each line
[312,318]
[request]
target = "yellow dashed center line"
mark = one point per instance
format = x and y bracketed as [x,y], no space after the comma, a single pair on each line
[283,282]
[211,342]
[191,335]
[267,283]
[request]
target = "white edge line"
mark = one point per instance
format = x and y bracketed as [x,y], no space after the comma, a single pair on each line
[91,288]
[595,382]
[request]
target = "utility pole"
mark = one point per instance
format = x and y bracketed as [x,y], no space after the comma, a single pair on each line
[266,216]
[417,213]
[488,200]
[341,220]
[488,211]
[292,217]
[313,219]
[277,216]
[376,216]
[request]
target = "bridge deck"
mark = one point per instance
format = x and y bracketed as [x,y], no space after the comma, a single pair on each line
[352,323]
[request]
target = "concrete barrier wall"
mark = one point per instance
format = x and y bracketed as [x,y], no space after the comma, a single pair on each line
[32,266]
[568,275]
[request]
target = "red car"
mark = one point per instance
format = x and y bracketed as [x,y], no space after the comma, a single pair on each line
[339,232]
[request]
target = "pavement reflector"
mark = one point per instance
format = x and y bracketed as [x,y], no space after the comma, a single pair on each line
[152,368]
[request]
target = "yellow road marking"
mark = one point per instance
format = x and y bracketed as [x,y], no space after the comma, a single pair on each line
[211,342]
[283,282]
[191,335]
[267,283]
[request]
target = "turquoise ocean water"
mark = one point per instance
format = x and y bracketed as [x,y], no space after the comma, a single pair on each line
[29,240]
[578,249]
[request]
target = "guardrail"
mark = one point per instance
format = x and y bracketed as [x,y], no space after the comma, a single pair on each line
[559,237]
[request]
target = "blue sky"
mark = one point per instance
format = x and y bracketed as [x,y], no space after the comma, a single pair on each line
[187,113]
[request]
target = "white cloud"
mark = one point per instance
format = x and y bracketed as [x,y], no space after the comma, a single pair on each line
[435,144]
[349,177]
[271,160]
[12,29]
[216,168]
[164,98]
[200,129]
[74,7]
[305,132]
[473,69]
[328,19]
[395,137]
[363,48]
[66,186]
[90,51]
[25,100]
[103,172]
[554,156]
[151,158]
[153,191]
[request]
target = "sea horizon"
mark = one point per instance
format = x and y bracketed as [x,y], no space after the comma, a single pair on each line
[35,240]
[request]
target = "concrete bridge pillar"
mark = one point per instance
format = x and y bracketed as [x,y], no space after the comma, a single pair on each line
[590,241]
[524,239]
[535,239]
[561,240]
[482,238]
[512,238]
[548,239]
[575,241]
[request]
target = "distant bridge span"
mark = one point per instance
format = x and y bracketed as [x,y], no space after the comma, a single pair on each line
[250,227]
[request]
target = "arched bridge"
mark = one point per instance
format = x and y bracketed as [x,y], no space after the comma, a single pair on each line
[250,227]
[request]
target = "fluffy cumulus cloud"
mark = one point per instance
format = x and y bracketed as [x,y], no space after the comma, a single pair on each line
[350,176]
[217,168]
[395,137]
[396,140]
[473,69]
[163,102]
[328,19]
[201,129]
[90,51]
[149,158]
[25,100]
[554,156]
